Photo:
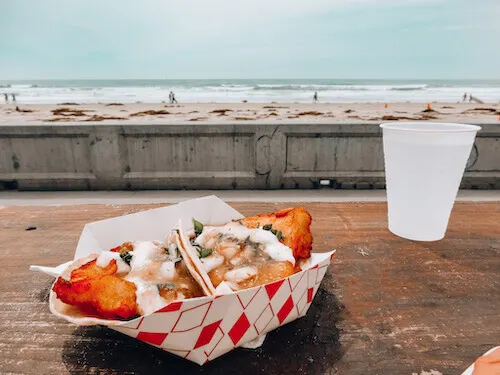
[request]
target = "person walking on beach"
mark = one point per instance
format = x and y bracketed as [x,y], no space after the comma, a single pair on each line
[170,97]
[13,98]
[6,98]
[315,97]
[464,98]
[173,98]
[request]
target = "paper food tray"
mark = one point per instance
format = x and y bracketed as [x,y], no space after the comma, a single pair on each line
[202,329]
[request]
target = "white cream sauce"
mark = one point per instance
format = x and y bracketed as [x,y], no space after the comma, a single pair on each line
[240,274]
[106,257]
[272,246]
[150,265]
[212,261]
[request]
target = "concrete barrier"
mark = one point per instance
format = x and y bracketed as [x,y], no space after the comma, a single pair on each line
[205,156]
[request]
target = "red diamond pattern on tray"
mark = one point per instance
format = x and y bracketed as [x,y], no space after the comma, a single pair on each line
[207,333]
[192,318]
[271,289]
[216,339]
[321,273]
[285,310]
[311,274]
[246,298]
[239,328]
[205,328]
[309,295]
[264,319]
[302,304]
[152,338]
[297,278]
[174,306]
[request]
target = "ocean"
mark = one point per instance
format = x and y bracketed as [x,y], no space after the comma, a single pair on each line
[251,90]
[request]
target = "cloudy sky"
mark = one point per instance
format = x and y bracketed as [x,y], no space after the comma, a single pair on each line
[53,39]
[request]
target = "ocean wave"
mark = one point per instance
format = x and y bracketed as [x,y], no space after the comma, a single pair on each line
[251,90]
[409,88]
[302,87]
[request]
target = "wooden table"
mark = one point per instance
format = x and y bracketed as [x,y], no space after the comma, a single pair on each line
[386,306]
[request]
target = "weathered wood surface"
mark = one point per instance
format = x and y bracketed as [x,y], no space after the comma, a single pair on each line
[386,306]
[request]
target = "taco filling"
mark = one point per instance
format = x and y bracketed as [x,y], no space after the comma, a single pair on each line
[240,256]
[135,278]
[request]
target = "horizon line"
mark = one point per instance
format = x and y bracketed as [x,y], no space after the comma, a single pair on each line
[235,78]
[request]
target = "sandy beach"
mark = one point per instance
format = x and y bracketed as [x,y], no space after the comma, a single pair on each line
[189,113]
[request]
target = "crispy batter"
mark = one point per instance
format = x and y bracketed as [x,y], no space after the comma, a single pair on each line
[99,295]
[91,270]
[96,290]
[294,223]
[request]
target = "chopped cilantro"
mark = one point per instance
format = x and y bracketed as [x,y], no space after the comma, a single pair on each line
[198,227]
[203,252]
[127,257]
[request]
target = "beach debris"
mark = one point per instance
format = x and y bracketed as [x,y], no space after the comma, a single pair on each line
[244,101]
[193,112]
[272,114]
[243,118]
[294,116]
[197,119]
[392,118]
[447,107]
[65,111]
[96,118]
[350,116]
[386,105]
[483,111]
[274,106]
[24,110]
[221,112]
[68,103]
[151,112]
[113,104]
[429,110]
[310,113]
[349,110]
[427,117]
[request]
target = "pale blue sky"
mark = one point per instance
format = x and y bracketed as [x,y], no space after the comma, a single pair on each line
[53,39]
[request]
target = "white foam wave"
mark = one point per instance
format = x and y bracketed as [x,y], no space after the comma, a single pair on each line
[264,93]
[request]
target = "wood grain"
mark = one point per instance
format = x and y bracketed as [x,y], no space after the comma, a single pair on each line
[386,306]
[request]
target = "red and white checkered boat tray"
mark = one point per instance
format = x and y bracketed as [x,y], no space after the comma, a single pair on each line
[202,329]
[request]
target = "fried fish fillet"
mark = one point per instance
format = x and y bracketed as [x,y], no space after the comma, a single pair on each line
[294,224]
[96,290]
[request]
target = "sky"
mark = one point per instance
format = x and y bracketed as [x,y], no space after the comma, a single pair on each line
[164,39]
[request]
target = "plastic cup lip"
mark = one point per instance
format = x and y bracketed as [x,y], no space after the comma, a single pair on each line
[429,127]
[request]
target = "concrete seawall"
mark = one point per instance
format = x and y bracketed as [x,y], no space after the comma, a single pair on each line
[205,156]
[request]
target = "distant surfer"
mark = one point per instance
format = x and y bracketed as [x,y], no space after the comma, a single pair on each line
[315,97]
